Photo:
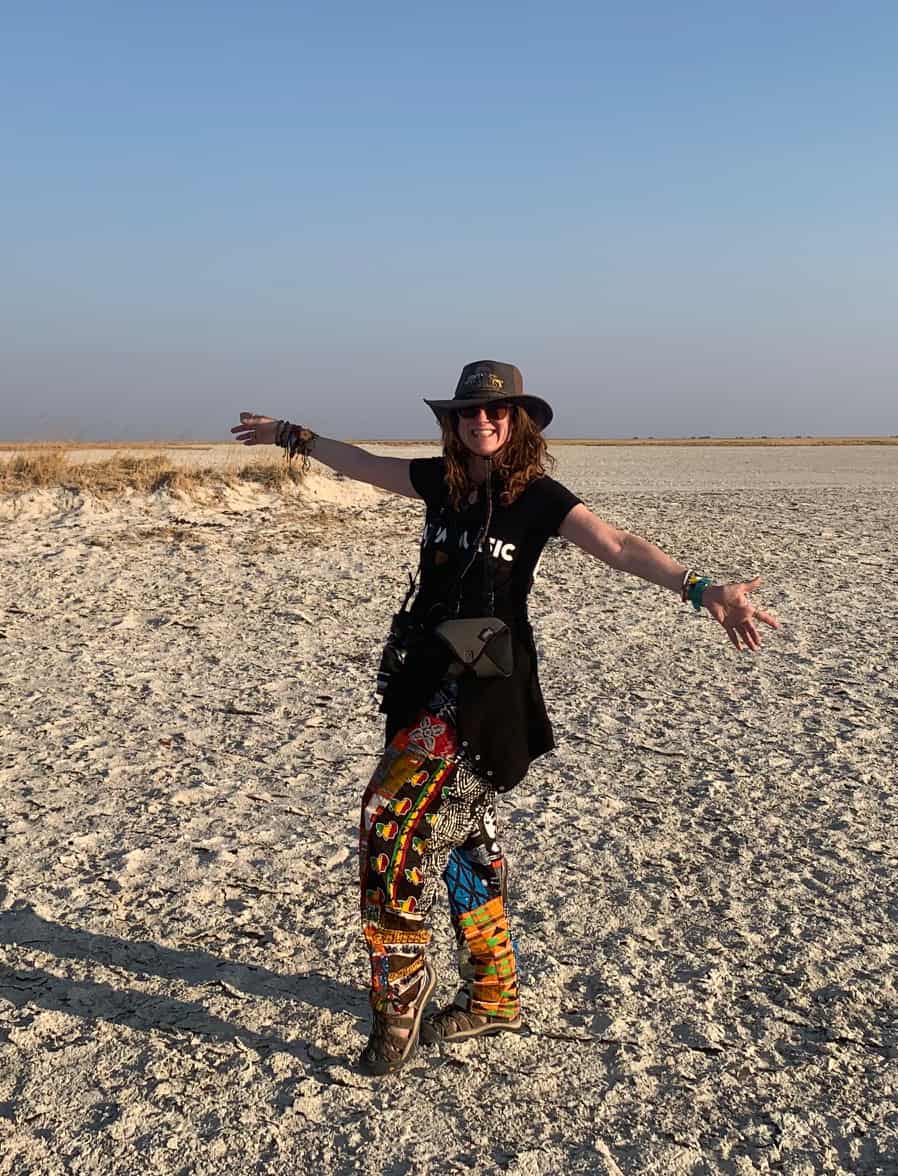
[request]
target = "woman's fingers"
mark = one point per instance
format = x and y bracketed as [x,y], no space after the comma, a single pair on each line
[743,636]
[732,634]
[741,631]
[252,429]
[750,636]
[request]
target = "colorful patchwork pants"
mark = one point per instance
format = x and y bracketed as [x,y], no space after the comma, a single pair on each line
[425,815]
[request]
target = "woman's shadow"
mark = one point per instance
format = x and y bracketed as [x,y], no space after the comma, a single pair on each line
[21,926]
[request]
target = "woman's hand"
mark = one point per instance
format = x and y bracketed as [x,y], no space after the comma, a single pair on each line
[255,430]
[729,605]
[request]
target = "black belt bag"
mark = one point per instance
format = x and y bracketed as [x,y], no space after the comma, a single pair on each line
[481,645]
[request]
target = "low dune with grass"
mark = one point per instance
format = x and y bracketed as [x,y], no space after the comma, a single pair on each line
[43,479]
[51,467]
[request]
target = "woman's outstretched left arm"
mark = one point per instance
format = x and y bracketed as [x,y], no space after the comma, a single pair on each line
[728,604]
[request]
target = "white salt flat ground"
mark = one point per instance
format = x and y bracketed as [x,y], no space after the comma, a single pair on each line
[703,878]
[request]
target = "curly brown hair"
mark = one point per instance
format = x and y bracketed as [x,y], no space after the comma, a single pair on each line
[522,458]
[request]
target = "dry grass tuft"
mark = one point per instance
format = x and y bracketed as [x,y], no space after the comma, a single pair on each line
[273,474]
[51,468]
[37,470]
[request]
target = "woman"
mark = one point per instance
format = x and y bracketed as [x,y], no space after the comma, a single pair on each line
[456,738]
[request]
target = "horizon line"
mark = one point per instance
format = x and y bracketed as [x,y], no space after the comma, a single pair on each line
[636,440]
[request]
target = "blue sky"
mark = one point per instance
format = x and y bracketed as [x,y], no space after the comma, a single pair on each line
[676,219]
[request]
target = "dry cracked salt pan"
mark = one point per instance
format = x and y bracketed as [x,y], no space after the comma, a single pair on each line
[700,876]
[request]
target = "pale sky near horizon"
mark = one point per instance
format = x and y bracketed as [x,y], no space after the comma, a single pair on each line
[676,219]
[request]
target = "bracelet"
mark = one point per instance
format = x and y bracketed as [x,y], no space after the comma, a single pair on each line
[297,440]
[696,591]
[692,587]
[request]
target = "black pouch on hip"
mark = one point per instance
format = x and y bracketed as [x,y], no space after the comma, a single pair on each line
[481,645]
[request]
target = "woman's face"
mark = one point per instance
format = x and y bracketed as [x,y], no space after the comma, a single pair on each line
[485,433]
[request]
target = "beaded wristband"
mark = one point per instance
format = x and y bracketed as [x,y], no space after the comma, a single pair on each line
[696,591]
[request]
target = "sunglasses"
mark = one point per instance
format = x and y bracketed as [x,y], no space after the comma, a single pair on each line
[494,412]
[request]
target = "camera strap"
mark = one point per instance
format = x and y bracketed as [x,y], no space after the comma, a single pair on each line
[413,579]
[488,585]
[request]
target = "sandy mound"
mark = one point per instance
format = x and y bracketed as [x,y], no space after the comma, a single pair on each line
[320,488]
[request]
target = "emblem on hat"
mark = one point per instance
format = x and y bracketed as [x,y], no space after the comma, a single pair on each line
[484,378]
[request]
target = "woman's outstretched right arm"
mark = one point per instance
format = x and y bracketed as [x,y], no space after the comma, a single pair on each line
[389,473]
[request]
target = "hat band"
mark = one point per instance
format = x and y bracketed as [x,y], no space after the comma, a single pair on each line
[481,393]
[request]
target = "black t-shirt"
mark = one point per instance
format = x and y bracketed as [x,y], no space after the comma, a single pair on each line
[455,577]
[502,722]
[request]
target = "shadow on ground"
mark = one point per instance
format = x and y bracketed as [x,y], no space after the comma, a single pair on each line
[95,1001]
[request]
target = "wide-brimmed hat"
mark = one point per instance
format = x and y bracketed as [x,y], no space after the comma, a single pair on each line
[487,382]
